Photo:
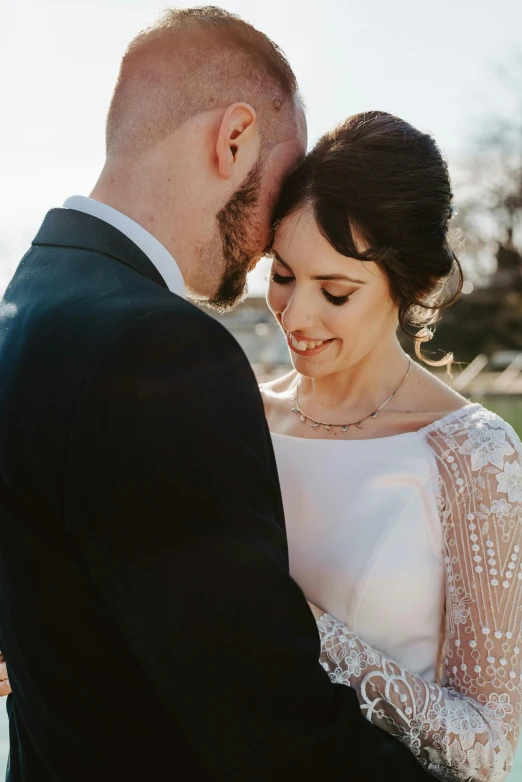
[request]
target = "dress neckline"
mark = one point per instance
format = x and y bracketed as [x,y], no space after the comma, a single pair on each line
[435,424]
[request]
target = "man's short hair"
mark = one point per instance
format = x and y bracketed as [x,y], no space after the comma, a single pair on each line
[191,61]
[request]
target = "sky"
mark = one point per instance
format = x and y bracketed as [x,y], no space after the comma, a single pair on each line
[432,63]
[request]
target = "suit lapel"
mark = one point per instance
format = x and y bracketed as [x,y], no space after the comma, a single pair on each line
[70,228]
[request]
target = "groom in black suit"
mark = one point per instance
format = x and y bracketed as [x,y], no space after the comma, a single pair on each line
[150,625]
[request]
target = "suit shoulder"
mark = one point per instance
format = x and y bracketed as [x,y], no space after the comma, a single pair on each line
[182,357]
[182,338]
[187,327]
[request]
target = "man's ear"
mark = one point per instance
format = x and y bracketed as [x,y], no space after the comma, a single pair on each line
[237,146]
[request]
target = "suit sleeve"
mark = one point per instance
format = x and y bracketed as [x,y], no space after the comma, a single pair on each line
[172,498]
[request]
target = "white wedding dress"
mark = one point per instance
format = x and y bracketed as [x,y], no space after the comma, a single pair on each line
[412,544]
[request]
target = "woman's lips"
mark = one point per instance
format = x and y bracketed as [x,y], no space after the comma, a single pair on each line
[308,352]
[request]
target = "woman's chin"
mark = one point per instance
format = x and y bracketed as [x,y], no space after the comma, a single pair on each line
[308,367]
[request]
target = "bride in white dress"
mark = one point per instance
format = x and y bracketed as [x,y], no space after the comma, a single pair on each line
[403,502]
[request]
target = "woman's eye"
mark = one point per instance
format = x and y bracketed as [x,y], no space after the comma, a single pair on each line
[280,279]
[338,301]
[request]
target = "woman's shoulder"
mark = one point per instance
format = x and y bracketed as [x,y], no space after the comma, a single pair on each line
[275,391]
[430,393]
[459,418]
[475,421]
[477,442]
[279,385]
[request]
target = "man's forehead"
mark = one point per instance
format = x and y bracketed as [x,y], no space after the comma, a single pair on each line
[300,115]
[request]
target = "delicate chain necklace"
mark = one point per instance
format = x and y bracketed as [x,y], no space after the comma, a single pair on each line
[345,427]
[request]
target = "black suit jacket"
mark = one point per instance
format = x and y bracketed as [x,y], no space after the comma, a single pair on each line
[150,625]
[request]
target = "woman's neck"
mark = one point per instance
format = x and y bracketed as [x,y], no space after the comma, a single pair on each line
[355,390]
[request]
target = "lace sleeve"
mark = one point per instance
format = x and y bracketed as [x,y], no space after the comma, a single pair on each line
[466,727]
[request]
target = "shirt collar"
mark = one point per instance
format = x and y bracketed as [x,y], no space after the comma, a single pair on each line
[148,244]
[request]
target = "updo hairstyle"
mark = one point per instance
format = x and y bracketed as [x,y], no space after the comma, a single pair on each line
[376,181]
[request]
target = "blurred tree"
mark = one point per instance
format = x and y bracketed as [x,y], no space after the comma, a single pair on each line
[490,202]
[487,232]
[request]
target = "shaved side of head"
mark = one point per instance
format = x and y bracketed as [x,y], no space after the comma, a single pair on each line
[193,61]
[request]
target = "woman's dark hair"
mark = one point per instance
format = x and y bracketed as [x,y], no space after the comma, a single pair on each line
[377,179]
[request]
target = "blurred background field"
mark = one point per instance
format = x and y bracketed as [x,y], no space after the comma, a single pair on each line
[454,69]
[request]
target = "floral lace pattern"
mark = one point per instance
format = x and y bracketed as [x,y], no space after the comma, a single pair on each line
[467,726]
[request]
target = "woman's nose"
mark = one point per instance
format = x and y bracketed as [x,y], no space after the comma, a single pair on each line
[297,316]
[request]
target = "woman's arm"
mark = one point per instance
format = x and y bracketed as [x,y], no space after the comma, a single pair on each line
[467,727]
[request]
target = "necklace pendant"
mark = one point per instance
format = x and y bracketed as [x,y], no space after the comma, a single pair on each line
[344,427]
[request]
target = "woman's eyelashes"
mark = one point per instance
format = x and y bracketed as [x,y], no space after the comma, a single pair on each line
[338,301]
[281,279]
[285,279]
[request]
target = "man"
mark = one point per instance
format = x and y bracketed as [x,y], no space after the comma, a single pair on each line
[150,625]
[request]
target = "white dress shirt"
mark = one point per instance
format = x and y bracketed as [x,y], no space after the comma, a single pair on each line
[153,249]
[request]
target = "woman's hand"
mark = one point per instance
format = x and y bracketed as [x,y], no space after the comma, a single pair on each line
[5,687]
[317,612]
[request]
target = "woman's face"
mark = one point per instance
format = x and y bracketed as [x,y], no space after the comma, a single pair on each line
[334,311]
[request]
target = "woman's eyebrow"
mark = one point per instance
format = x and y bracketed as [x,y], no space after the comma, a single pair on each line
[323,277]
[339,278]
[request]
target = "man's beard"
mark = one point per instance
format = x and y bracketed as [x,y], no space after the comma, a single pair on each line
[236,223]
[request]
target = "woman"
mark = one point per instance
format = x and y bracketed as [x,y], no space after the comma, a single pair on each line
[403,502]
